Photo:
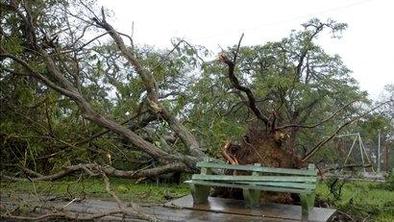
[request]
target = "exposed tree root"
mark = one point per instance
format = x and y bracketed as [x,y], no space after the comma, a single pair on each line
[228,156]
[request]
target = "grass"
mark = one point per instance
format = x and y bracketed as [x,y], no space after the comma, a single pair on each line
[374,201]
[361,200]
[126,189]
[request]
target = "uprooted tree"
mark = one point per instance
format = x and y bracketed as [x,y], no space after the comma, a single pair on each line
[76,94]
[292,97]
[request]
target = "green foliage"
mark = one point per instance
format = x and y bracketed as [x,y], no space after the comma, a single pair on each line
[294,77]
[335,186]
[389,182]
[13,44]
[196,91]
[42,129]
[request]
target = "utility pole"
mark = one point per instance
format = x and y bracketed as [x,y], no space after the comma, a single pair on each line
[386,158]
[379,151]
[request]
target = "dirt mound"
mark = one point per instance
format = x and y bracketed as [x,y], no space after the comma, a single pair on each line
[259,145]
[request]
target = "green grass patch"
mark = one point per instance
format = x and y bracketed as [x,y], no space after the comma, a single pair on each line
[361,200]
[126,189]
[374,201]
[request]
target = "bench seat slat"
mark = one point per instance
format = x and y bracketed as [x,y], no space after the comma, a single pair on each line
[310,186]
[255,178]
[246,186]
[257,168]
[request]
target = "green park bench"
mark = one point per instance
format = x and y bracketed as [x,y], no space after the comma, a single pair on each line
[300,181]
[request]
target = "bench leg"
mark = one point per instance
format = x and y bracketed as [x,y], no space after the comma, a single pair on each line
[307,203]
[200,193]
[252,197]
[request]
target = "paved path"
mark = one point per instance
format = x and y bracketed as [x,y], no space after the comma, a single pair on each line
[219,210]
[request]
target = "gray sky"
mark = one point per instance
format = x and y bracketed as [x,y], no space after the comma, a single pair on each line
[367,46]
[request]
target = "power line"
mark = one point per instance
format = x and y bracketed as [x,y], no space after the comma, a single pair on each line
[291,19]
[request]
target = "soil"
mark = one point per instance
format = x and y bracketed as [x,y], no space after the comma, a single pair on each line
[258,146]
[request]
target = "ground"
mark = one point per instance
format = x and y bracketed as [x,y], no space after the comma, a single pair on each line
[126,190]
[360,200]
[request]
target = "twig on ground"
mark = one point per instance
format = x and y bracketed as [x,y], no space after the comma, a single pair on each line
[131,208]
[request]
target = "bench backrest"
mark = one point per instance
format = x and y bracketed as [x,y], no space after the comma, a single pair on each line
[304,179]
[311,171]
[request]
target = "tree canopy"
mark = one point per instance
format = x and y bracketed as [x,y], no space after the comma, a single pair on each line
[74,90]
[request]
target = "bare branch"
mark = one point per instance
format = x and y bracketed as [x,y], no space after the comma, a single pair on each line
[64,215]
[319,145]
[84,45]
[90,169]
[152,91]
[134,209]
[251,98]
[38,75]
[319,123]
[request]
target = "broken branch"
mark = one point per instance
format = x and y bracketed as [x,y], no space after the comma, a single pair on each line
[319,145]
[236,84]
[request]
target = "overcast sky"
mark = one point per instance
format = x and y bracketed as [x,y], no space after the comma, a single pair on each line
[367,47]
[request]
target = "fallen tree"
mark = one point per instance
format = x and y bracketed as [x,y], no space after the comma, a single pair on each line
[45,51]
[57,62]
[265,139]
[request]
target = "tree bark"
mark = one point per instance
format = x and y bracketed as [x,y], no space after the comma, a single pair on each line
[153,91]
[91,169]
[57,80]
